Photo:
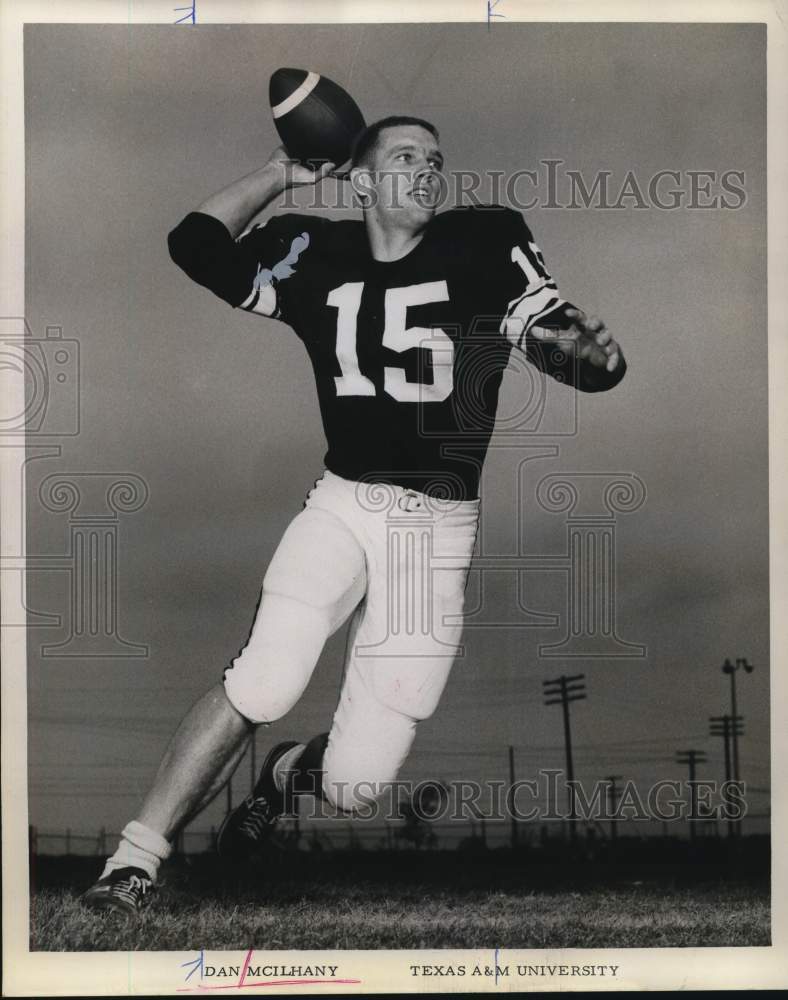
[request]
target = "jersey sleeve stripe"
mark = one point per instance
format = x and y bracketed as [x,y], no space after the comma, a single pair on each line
[531,290]
[525,311]
[251,301]
[261,301]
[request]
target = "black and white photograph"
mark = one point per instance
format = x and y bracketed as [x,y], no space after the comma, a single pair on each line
[386,496]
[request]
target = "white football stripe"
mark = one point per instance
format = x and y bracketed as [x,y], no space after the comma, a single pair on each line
[309,84]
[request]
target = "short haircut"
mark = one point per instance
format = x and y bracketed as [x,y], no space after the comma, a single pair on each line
[366,143]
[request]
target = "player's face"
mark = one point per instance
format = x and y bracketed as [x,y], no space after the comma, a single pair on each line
[408,174]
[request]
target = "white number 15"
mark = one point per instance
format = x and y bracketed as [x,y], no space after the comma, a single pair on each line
[397,337]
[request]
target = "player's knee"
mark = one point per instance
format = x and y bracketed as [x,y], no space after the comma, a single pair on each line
[257,703]
[359,772]
[413,693]
[421,708]
[271,672]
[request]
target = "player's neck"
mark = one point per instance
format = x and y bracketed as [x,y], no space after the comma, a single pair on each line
[388,242]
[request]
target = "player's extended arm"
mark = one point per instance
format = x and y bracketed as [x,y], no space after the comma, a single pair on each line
[599,361]
[556,336]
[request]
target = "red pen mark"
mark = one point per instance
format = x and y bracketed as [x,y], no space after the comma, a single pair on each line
[248,959]
[270,982]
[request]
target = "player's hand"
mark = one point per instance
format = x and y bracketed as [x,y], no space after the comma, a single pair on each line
[295,174]
[591,340]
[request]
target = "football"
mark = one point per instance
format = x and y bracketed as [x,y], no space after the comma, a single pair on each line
[317,120]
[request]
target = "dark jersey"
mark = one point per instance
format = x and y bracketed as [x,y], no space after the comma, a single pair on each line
[408,355]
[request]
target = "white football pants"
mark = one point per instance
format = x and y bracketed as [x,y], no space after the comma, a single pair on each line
[398,559]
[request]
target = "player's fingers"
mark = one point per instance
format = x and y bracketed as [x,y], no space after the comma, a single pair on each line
[324,170]
[577,316]
[603,336]
[585,349]
[594,324]
[612,361]
[611,347]
[340,171]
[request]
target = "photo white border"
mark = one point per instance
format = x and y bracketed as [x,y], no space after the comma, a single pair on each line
[134,973]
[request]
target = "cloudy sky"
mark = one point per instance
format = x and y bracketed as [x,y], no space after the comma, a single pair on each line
[129,128]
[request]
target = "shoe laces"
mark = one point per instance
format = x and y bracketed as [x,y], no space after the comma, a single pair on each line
[257,817]
[142,884]
[133,889]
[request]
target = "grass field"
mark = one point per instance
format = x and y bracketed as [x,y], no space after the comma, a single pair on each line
[429,901]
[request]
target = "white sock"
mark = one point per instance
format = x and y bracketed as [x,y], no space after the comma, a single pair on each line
[140,847]
[285,765]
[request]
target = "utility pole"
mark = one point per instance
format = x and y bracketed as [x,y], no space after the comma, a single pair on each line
[511,797]
[561,691]
[692,757]
[725,726]
[613,796]
[730,669]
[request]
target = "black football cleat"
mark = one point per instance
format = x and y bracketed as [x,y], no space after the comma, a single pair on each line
[124,890]
[249,826]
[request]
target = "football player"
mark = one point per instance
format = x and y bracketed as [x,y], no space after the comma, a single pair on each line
[408,317]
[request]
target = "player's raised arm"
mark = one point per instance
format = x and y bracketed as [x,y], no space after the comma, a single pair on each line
[206,244]
[237,204]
